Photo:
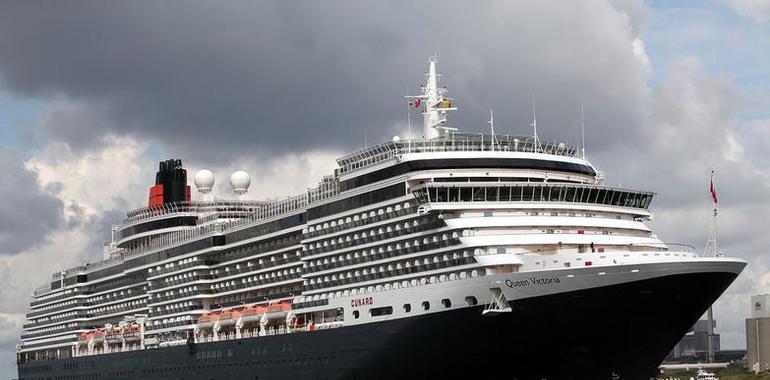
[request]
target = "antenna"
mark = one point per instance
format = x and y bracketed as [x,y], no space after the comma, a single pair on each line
[492,127]
[534,124]
[582,129]
[365,146]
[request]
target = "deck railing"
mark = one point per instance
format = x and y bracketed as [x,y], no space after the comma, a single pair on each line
[452,143]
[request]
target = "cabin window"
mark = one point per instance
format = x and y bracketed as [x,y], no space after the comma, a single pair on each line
[356,314]
[407,307]
[491,193]
[471,300]
[380,311]
[446,302]
[425,305]
[478,194]
[466,194]
[505,194]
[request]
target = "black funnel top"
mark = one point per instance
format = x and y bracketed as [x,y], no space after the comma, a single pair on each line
[173,179]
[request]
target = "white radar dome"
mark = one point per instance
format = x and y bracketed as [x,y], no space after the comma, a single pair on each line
[204,181]
[240,181]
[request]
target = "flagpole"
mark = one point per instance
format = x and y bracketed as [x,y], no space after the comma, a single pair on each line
[713,238]
[409,121]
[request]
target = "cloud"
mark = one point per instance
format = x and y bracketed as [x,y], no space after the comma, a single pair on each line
[28,213]
[277,77]
[637,11]
[115,175]
[757,10]
[254,85]
[641,55]
[694,127]
[10,325]
[95,189]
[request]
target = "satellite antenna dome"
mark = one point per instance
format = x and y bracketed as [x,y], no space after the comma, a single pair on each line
[204,181]
[562,145]
[396,139]
[240,181]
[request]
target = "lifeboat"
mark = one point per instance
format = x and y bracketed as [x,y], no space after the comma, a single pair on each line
[99,336]
[114,335]
[278,310]
[206,321]
[229,317]
[85,338]
[132,332]
[253,313]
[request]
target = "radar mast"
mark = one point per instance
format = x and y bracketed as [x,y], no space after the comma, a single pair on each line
[436,104]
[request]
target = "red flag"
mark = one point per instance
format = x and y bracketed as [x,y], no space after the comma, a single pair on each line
[417,103]
[713,191]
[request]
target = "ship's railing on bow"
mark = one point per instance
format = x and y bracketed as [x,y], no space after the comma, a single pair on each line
[678,247]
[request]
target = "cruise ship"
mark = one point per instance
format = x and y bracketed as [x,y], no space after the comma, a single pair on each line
[452,255]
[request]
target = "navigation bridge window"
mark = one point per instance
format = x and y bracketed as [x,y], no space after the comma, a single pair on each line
[533,193]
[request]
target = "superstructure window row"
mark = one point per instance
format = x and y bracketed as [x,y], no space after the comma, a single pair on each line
[64,294]
[533,193]
[254,249]
[375,234]
[181,320]
[227,286]
[117,295]
[176,307]
[322,298]
[398,248]
[357,201]
[58,307]
[256,296]
[58,317]
[359,219]
[137,304]
[256,264]
[49,330]
[400,268]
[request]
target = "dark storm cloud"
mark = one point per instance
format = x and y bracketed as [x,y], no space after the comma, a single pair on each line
[225,78]
[27,213]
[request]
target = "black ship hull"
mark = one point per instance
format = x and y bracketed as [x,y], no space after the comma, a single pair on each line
[621,331]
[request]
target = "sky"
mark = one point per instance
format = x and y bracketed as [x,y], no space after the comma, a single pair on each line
[93,94]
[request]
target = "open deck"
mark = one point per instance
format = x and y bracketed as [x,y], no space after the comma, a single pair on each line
[456,142]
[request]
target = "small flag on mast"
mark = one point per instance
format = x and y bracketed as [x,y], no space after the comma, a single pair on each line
[713,190]
[417,103]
